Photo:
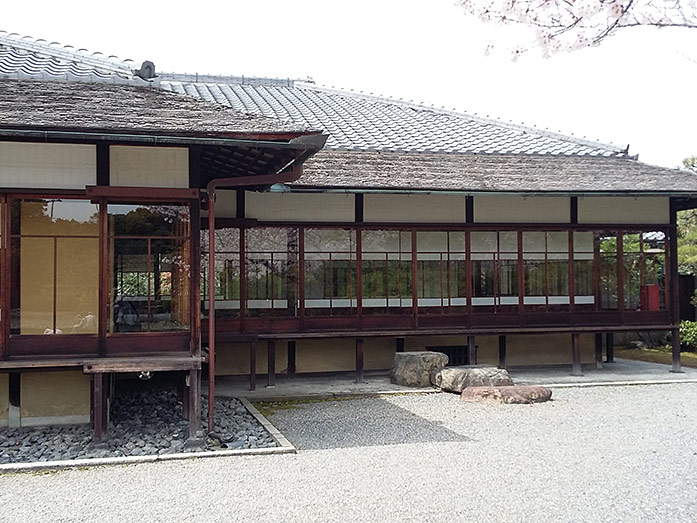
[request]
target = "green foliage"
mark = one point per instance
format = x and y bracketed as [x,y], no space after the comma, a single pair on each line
[687,230]
[688,336]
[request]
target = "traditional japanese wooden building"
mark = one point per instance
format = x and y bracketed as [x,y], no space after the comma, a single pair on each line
[413,228]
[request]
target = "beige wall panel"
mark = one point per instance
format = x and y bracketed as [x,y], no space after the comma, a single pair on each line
[548,349]
[4,398]
[378,353]
[530,209]
[47,165]
[328,355]
[54,394]
[232,359]
[414,208]
[133,166]
[299,207]
[624,209]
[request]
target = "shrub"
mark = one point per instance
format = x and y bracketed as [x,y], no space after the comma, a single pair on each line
[688,336]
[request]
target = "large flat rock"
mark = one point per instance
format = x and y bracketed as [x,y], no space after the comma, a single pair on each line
[413,369]
[456,379]
[509,394]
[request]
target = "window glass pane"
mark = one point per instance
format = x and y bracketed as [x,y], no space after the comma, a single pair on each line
[150,267]
[132,285]
[557,242]
[484,241]
[227,273]
[508,241]
[583,269]
[272,271]
[51,217]
[148,220]
[387,277]
[608,269]
[330,271]
[441,271]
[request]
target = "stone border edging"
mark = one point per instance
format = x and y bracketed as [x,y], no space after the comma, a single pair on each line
[613,383]
[284,447]
[279,438]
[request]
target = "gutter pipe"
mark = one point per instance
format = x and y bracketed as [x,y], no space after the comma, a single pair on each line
[266,179]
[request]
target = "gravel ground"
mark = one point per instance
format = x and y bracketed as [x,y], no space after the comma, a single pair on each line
[144,422]
[592,454]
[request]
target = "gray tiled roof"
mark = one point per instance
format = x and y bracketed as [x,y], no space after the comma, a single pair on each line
[353,121]
[494,173]
[374,143]
[124,108]
[24,58]
[362,122]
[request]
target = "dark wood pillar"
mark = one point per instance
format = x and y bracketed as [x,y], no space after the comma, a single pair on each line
[194,400]
[271,364]
[609,348]
[252,365]
[675,341]
[576,369]
[291,359]
[98,406]
[471,351]
[598,350]
[502,352]
[674,291]
[359,360]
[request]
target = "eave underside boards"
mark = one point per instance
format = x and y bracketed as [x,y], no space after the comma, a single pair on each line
[230,162]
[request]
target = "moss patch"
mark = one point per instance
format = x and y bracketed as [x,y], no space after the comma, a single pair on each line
[657,355]
[269,408]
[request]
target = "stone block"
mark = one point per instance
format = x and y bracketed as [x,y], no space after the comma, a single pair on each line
[413,369]
[456,379]
[509,394]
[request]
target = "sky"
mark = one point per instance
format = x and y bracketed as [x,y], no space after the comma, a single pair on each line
[636,89]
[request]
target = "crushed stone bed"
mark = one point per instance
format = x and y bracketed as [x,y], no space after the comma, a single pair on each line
[142,423]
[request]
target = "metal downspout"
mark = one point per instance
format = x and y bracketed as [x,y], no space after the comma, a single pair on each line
[266,179]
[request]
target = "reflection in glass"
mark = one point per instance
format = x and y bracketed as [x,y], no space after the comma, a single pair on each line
[150,267]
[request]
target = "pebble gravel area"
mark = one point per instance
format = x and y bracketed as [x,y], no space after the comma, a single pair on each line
[625,454]
[143,422]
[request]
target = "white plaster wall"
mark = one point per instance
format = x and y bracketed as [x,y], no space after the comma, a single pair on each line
[325,207]
[522,209]
[414,208]
[134,166]
[624,209]
[47,165]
